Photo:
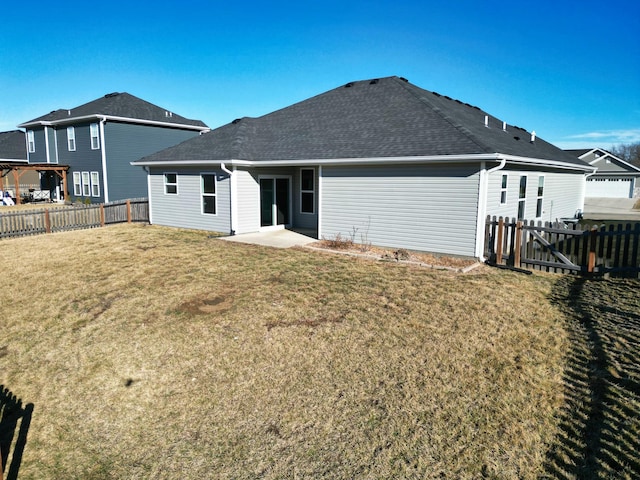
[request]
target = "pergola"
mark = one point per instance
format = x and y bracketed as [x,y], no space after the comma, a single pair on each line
[17,169]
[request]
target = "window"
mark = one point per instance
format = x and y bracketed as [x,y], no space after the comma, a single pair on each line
[171,183]
[31,140]
[540,196]
[71,139]
[86,184]
[95,184]
[522,197]
[77,184]
[208,183]
[307,188]
[503,190]
[95,137]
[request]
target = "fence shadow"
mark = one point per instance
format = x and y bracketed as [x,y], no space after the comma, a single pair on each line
[14,426]
[599,434]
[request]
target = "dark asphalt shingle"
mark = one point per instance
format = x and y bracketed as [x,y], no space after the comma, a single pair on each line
[386,117]
[12,145]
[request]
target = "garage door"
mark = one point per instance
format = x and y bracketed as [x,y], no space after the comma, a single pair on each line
[609,187]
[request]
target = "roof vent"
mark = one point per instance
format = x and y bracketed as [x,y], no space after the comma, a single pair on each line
[486,121]
[374,81]
[349,85]
[109,95]
[448,98]
[516,138]
[69,113]
[436,94]
[237,120]
[533,136]
[504,126]
[404,79]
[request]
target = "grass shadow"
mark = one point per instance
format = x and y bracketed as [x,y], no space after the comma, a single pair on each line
[14,418]
[599,433]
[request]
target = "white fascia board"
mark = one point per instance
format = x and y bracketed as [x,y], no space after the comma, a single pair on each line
[15,160]
[330,161]
[113,118]
[547,163]
[480,157]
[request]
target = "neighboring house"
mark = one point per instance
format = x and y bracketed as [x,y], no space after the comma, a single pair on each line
[614,178]
[99,139]
[13,152]
[382,160]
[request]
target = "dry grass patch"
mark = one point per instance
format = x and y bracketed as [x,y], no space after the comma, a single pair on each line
[156,352]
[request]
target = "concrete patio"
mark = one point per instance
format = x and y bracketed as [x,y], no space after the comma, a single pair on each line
[275,238]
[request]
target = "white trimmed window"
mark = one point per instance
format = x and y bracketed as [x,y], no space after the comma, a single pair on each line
[522,197]
[95,137]
[31,140]
[86,184]
[540,196]
[95,184]
[307,190]
[71,139]
[171,183]
[209,197]
[503,189]
[77,184]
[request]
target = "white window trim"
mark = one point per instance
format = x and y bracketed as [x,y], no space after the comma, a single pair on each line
[312,192]
[77,184]
[522,199]
[504,191]
[71,139]
[540,198]
[86,184]
[166,184]
[31,141]
[214,195]
[93,128]
[95,183]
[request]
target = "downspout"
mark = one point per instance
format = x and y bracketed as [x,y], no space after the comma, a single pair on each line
[482,205]
[103,150]
[148,170]
[232,199]
[580,211]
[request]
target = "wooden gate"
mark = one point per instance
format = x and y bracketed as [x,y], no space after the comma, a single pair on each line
[562,248]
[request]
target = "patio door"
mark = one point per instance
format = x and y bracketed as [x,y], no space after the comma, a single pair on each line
[275,194]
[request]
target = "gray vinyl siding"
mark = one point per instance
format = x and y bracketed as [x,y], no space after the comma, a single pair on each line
[612,166]
[185,208]
[125,143]
[40,155]
[563,194]
[425,207]
[83,159]
[248,202]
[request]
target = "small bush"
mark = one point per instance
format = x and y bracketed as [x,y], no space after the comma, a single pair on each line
[339,242]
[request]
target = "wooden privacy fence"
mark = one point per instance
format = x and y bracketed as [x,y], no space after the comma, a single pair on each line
[562,248]
[33,222]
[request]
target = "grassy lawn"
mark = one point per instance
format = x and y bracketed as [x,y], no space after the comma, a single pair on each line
[150,352]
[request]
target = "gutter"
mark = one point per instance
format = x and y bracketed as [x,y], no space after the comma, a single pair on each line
[114,118]
[232,197]
[483,189]
[103,153]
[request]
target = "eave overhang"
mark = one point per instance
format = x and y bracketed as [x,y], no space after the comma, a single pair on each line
[111,118]
[484,157]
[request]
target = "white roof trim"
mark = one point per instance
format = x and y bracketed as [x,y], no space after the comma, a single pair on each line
[113,118]
[483,157]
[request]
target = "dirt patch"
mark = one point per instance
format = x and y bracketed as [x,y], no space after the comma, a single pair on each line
[207,305]
[394,255]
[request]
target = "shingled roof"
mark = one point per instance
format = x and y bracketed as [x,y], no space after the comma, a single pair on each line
[13,146]
[386,117]
[121,105]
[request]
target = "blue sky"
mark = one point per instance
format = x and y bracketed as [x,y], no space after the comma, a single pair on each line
[568,70]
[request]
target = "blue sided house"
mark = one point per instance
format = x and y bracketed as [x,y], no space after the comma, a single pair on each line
[98,140]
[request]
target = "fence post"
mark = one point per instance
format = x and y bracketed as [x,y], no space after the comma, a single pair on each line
[47,221]
[499,241]
[592,250]
[518,245]
[102,215]
[128,211]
